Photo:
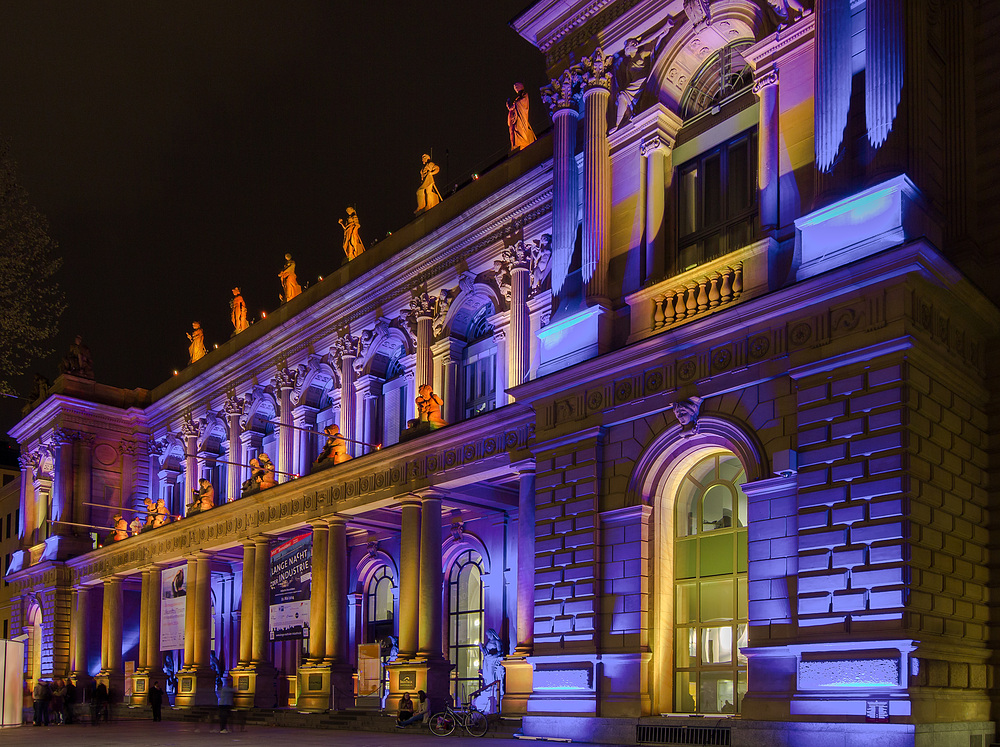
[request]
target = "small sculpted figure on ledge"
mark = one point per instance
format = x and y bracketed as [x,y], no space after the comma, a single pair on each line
[335,448]
[252,484]
[427,195]
[78,361]
[290,287]
[267,478]
[135,526]
[352,234]
[238,312]
[429,407]
[204,498]
[632,68]
[196,348]
[521,134]
[120,528]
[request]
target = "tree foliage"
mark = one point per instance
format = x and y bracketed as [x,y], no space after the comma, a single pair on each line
[30,299]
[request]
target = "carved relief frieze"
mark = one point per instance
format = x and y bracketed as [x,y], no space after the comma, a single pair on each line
[951,335]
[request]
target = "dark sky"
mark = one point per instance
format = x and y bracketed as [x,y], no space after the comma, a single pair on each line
[181,148]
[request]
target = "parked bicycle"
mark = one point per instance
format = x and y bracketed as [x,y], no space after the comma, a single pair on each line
[470,718]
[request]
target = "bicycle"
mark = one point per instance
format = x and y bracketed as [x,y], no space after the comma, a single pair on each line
[471,719]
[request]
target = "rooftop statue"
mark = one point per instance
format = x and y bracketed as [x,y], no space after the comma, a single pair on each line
[521,134]
[267,478]
[290,287]
[39,388]
[204,498]
[429,407]
[427,195]
[196,349]
[238,312]
[156,514]
[77,361]
[352,235]
[135,526]
[335,448]
[119,528]
[632,68]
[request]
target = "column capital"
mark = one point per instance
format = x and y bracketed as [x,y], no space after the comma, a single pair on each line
[596,72]
[526,467]
[233,406]
[319,525]
[562,93]
[190,427]
[423,306]
[408,499]
[336,520]
[654,142]
[764,78]
[285,379]
[344,347]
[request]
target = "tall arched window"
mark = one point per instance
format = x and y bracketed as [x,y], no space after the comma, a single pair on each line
[380,604]
[479,364]
[710,583]
[465,623]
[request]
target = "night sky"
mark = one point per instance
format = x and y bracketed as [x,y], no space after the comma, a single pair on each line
[179,149]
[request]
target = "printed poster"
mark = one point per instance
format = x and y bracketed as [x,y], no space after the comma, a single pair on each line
[173,595]
[291,586]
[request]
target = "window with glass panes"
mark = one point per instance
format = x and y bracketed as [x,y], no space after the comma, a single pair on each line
[381,606]
[710,583]
[717,201]
[465,623]
[479,364]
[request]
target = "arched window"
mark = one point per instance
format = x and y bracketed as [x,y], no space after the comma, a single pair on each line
[710,584]
[379,602]
[465,623]
[479,365]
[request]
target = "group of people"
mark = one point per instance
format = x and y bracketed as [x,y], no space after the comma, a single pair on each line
[53,700]
[406,714]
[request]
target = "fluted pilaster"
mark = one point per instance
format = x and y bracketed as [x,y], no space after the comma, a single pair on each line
[766,87]
[344,350]
[562,95]
[832,73]
[596,74]
[284,382]
[885,60]
[234,474]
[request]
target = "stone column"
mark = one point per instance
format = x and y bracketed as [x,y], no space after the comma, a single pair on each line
[367,397]
[28,522]
[284,382]
[112,673]
[148,655]
[337,632]
[304,418]
[345,350]
[561,96]
[409,577]
[430,577]
[448,366]
[596,73]
[233,407]
[196,681]
[654,150]
[152,623]
[318,586]
[247,604]
[191,431]
[765,86]
[501,324]
[518,258]
[525,560]
[191,576]
[62,490]
[81,633]
[82,478]
[143,649]
[261,600]
[423,306]
[42,487]
[203,613]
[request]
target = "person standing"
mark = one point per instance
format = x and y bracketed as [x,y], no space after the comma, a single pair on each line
[39,704]
[156,701]
[225,704]
[69,703]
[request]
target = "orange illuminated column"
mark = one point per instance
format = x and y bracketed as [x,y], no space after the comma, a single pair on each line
[203,613]
[81,631]
[247,605]
[318,586]
[336,593]
[152,623]
[409,577]
[596,73]
[525,560]
[111,632]
[430,577]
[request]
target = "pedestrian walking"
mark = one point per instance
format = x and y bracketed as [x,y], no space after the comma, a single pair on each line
[225,704]
[156,700]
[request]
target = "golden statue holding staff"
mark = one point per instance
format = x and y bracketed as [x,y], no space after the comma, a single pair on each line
[352,234]
[289,282]
[427,195]
[196,348]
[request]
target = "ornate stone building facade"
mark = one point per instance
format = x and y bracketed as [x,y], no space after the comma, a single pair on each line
[714,359]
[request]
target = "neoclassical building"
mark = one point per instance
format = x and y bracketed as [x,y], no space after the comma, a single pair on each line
[714,358]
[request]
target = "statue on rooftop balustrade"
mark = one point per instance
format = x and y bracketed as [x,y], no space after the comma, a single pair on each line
[156,514]
[77,361]
[427,195]
[196,348]
[135,526]
[429,407]
[252,484]
[204,498]
[521,134]
[335,448]
[119,529]
[290,287]
[631,69]
[267,478]
[352,234]
[238,312]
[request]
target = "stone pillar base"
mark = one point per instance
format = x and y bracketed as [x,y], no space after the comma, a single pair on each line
[517,685]
[142,683]
[195,688]
[314,688]
[430,675]
[254,687]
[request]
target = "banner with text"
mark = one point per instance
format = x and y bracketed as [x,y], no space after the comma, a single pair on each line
[291,586]
[173,595]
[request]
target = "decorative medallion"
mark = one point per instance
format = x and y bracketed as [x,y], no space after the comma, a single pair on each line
[800,334]
[686,370]
[721,358]
[653,381]
[595,400]
[759,346]
[623,391]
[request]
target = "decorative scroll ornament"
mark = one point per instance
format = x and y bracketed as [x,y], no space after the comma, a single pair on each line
[285,378]
[190,427]
[832,68]
[367,341]
[156,446]
[444,302]
[371,548]
[596,71]
[344,346]
[407,322]
[884,66]
[233,405]
[514,257]
[562,92]
[457,530]
[764,78]
[686,411]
